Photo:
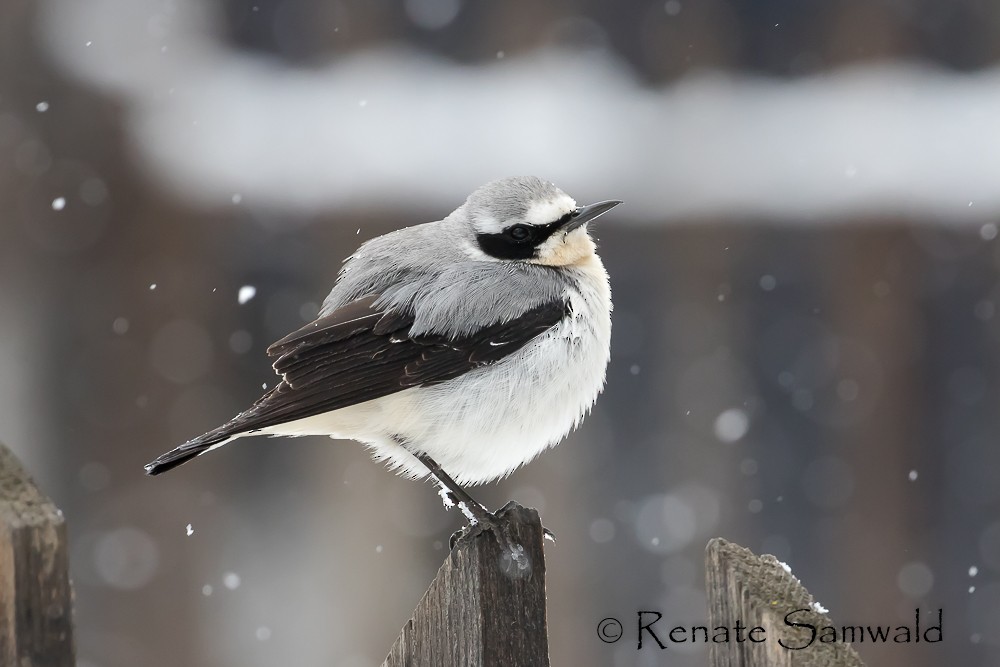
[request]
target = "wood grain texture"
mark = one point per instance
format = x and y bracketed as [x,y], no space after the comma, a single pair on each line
[759,591]
[36,628]
[482,609]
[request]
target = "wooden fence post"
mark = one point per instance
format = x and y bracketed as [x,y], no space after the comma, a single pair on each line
[482,609]
[760,591]
[36,600]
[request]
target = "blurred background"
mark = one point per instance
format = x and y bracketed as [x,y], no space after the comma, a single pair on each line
[805,352]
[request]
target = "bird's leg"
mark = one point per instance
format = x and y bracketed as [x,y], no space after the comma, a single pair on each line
[471,508]
[479,517]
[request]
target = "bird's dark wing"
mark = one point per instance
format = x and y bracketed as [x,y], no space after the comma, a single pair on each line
[358,353]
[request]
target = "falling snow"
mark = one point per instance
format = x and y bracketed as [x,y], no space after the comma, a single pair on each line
[602,530]
[791,375]
[246,293]
[731,425]
[915,579]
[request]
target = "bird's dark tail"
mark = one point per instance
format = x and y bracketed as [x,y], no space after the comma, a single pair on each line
[190,450]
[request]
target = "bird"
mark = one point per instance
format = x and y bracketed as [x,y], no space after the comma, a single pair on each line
[458,349]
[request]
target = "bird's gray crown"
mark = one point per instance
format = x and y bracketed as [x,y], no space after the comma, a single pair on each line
[507,201]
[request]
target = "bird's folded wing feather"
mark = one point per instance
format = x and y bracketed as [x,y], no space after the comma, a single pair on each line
[360,352]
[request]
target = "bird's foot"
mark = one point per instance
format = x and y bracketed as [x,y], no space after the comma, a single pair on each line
[482,520]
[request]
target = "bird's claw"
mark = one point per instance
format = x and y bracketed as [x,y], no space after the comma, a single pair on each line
[482,520]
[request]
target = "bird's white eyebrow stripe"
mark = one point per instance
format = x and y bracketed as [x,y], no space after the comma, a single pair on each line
[545,212]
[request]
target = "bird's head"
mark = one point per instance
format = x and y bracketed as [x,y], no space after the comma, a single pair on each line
[527,219]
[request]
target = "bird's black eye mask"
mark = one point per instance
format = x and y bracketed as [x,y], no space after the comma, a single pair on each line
[520,241]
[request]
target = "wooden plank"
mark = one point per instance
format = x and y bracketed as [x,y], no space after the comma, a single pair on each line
[759,592]
[36,628]
[482,609]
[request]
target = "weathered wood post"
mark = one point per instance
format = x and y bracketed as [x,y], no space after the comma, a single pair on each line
[760,591]
[36,600]
[482,609]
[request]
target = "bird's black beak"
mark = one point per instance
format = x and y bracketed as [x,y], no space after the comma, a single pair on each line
[584,214]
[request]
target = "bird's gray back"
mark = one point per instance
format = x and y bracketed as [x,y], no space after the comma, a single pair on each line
[426,270]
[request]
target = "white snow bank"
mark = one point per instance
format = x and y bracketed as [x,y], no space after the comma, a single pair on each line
[405,128]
